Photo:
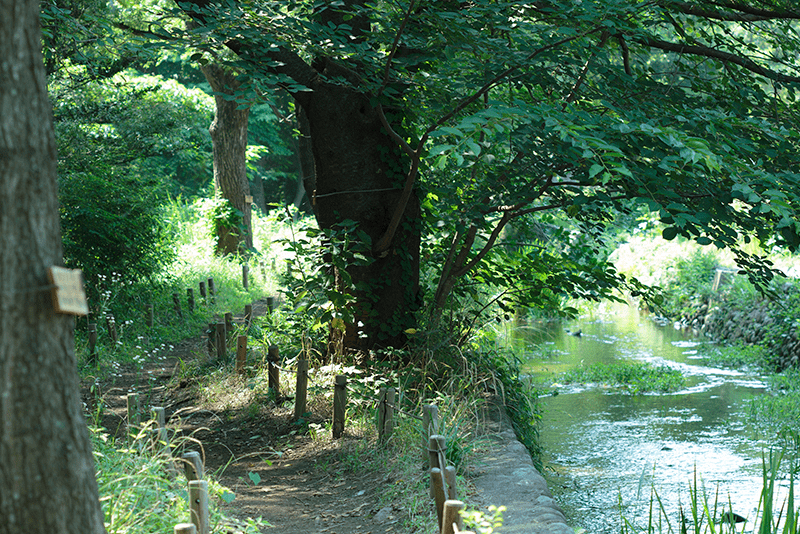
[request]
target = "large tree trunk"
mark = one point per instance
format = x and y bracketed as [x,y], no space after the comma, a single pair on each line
[359,174]
[47,477]
[229,140]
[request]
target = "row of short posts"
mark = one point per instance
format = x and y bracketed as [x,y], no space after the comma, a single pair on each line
[192,463]
[442,476]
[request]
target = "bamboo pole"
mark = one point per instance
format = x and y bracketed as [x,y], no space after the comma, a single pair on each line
[198,503]
[451,518]
[241,354]
[301,391]
[339,405]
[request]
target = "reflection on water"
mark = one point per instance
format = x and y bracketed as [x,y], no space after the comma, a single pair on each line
[603,448]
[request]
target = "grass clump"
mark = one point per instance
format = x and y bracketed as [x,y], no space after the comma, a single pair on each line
[140,495]
[634,377]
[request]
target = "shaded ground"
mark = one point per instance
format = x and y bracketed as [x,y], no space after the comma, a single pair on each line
[276,471]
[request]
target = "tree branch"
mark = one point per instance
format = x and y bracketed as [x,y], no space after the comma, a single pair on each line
[745,13]
[727,57]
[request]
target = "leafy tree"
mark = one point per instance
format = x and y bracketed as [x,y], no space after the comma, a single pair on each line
[448,121]
[46,462]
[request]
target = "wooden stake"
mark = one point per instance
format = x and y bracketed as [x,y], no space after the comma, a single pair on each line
[381,414]
[198,502]
[248,317]
[212,290]
[160,436]
[176,304]
[273,357]
[184,528]
[211,344]
[228,324]
[271,304]
[203,292]
[111,324]
[241,354]
[436,448]
[92,359]
[245,276]
[339,405]
[301,391]
[150,315]
[450,479]
[388,424]
[190,298]
[219,340]
[452,517]
[437,483]
[430,426]
[192,465]
[134,414]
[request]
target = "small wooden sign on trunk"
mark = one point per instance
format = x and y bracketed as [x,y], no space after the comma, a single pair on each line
[68,294]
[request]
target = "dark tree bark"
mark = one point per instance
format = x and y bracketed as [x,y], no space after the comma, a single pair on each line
[47,480]
[358,174]
[229,140]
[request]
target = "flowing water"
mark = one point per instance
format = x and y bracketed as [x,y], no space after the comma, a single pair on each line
[606,450]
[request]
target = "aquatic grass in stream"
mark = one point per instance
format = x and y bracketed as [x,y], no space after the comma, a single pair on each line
[776,512]
[634,377]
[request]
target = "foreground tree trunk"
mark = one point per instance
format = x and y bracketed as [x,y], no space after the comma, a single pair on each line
[229,139]
[47,480]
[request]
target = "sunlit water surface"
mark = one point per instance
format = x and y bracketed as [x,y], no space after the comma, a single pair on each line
[606,450]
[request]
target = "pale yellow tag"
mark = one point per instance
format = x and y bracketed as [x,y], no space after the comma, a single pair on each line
[68,294]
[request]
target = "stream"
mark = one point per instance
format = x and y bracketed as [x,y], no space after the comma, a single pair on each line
[605,450]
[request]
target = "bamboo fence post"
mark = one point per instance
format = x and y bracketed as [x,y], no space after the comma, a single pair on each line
[271,304]
[241,354]
[160,436]
[184,528]
[198,502]
[450,480]
[437,483]
[150,313]
[111,324]
[192,465]
[248,316]
[203,292]
[339,405]
[212,291]
[273,357]
[301,391]
[451,518]
[92,359]
[190,298]
[176,305]
[219,340]
[245,276]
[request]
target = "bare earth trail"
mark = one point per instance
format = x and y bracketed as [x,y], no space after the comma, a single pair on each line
[303,485]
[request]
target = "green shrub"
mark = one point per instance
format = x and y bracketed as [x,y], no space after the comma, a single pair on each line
[113,227]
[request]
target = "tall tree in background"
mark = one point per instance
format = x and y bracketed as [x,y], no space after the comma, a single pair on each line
[457,118]
[233,225]
[46,466]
